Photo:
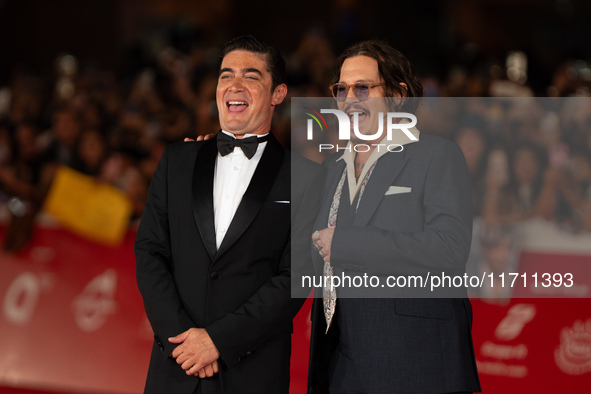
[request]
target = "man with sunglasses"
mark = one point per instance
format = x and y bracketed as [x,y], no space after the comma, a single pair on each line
[385,212]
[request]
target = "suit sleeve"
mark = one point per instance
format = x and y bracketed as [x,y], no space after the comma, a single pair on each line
[443,244]
[271,309]
[153,258]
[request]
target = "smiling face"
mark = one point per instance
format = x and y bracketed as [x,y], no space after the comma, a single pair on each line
[363,69]
[244,95]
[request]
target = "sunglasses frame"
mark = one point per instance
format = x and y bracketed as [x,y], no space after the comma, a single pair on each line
[349,86]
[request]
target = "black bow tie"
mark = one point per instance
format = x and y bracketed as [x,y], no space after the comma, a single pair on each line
[248,145]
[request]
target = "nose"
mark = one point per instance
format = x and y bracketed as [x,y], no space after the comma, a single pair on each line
[351,97]
[350,92]
[237,84]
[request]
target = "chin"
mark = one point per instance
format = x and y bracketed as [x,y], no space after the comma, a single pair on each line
[234,127]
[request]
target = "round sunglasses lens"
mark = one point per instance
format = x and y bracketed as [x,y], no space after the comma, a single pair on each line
[339,92]
[361,90]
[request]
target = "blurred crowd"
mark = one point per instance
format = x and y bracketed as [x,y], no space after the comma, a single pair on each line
[527,156]
[114,128]
[530,162]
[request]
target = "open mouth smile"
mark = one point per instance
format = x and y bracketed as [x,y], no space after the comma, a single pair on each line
[236,105]
[362,114]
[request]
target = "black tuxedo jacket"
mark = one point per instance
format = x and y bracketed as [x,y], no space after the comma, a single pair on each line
[240,293]
[415,216]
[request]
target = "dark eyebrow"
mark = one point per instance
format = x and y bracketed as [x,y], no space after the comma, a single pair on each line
[368,81]
[244,70]
[253,70]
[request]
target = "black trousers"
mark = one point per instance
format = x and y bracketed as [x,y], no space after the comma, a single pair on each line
[363,392]
[209,385]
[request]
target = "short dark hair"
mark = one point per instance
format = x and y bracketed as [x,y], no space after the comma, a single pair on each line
[275,63]
[393,67]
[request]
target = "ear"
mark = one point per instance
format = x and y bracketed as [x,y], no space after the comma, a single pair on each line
[404,89]
[279,94]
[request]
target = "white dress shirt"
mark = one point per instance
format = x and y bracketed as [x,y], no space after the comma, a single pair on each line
[232,176]
[349,158]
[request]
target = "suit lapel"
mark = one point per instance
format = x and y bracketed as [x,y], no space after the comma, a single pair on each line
[256,193]
[203,173]
[387,169]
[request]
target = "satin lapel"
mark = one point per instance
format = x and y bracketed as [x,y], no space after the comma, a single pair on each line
[203,173]
[256,193]
[387,169]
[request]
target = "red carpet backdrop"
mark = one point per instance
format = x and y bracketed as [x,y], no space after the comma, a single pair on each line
[72,320]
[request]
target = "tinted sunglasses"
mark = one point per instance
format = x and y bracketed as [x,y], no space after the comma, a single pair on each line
[360,90]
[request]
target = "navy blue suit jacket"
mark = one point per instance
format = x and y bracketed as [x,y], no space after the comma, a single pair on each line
[399,345]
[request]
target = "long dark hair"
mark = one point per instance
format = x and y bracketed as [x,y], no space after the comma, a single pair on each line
[393,67]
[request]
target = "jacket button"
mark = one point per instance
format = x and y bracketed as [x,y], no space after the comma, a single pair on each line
[214,275]
[160,346]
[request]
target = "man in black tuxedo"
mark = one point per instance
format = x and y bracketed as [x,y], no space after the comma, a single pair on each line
[214,246]
[405,212]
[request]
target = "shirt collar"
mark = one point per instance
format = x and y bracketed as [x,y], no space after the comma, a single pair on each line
[245,135]
[398,138]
